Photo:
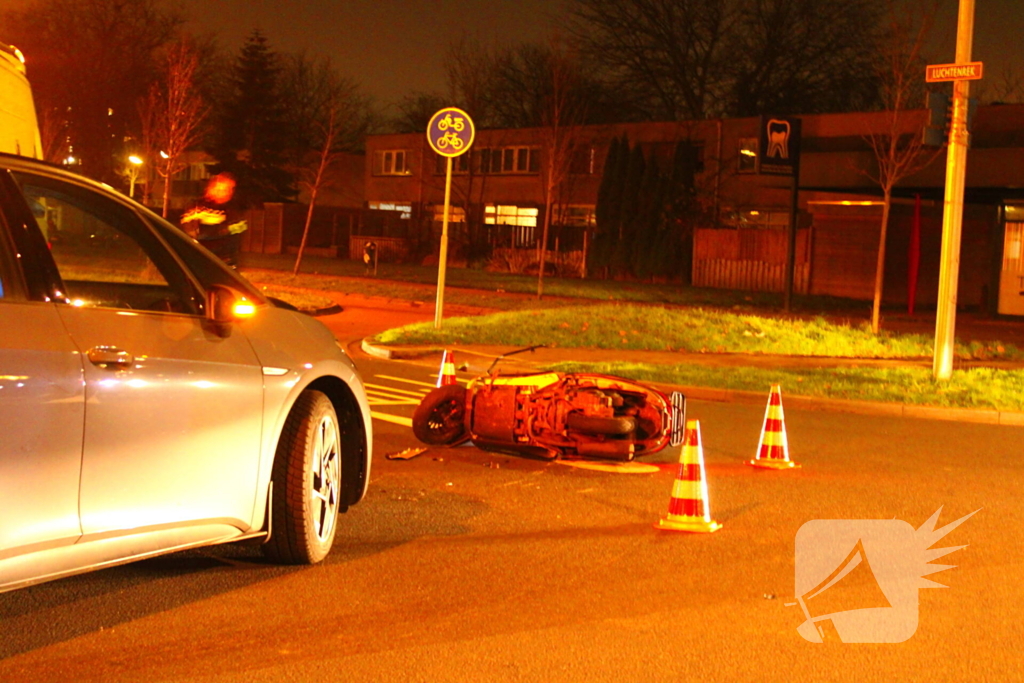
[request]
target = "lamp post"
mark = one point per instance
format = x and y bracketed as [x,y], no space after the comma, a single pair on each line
[134,166]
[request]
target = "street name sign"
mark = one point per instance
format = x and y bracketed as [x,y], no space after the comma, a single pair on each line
[937,73]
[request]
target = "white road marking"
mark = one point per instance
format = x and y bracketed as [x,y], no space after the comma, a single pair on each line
[407,381]
[393,390]
[395,419]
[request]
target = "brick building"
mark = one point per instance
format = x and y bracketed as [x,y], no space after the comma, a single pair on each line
[499,188]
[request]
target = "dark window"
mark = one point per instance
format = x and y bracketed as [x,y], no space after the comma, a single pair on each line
[106,255]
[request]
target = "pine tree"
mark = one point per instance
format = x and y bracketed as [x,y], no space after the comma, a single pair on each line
[251,135]
[606,210]
[630,207]
[683,212]
[647,224]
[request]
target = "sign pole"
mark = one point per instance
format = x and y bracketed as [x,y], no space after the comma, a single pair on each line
[450,134]
[794,205]
[442,261]
[953,207]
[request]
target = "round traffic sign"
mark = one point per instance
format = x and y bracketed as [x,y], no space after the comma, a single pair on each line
[450,132]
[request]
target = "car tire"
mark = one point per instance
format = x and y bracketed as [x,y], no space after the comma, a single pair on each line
[439,419]
[306,483]
[607,426]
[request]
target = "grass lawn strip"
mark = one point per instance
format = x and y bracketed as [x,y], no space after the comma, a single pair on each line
[635,327]
[982,388]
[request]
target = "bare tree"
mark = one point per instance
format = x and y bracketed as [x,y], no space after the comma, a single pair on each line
[563,113]
[669,54]
[178,112]
[1006,87]
[92,60]
[53,132]
[695,59]
[898,145]
[328,118]
[314,178]
[804,56]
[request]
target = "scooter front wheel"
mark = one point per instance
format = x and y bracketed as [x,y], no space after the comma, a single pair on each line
[440,418]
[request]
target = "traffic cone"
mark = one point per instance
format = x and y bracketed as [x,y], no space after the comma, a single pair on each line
[773,447]
[688,508]
[447,374]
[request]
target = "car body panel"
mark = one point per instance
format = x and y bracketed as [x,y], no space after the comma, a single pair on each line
[40,383]
[173,437]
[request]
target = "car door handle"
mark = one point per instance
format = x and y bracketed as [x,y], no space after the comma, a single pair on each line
[106,356]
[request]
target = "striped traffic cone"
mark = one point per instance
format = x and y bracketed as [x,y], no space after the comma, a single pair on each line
[447,374]
[773,447]
[688,508]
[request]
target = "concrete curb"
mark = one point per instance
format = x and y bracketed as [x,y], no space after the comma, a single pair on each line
[970,415]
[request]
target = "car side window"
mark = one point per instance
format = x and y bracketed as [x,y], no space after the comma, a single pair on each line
[106,255]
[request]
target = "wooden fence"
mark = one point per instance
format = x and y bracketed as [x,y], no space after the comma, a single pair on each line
[389,249]
[752,260]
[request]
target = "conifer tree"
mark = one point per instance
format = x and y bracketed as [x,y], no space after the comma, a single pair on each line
[629,207]
[252,135]
[606,210]
[649,222]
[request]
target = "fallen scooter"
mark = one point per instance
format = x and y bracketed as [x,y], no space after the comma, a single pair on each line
[552,414]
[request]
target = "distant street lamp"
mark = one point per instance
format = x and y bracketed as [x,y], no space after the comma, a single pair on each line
[134,166]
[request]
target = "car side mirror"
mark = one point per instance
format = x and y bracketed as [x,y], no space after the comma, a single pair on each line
[224,306]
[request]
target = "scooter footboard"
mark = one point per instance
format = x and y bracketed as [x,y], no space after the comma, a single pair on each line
[494,413]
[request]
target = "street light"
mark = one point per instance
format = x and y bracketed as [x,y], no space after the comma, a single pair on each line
[134,165]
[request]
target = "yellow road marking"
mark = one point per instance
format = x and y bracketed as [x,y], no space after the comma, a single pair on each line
[616,467]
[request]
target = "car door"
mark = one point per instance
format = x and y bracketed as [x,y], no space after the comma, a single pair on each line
[173,413]
[41,416]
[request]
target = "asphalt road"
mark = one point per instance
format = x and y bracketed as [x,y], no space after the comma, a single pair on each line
[467,566]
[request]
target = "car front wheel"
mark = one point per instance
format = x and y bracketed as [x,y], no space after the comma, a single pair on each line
[306,483]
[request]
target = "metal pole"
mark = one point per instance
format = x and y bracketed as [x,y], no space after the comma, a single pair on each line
[953,207]
[794,206]
[442,261]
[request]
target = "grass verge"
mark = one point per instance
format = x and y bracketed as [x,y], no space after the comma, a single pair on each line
[637,327]
[983,388]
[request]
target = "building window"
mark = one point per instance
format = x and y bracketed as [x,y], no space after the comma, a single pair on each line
[523,220]
[194,171]
[390,162]
[456,214]
[460,164]
[746,161]
[510,160]
[582,161]
[577,215]
[757,219]
[404,207]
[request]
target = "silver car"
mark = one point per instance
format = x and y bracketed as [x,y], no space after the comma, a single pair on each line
[152,400]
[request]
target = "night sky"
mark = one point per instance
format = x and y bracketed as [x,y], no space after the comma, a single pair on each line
[395,47]
[391,47]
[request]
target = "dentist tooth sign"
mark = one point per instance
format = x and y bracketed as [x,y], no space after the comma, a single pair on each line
[779,148]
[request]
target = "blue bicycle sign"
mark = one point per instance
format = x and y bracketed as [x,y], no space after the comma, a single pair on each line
[450,132]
